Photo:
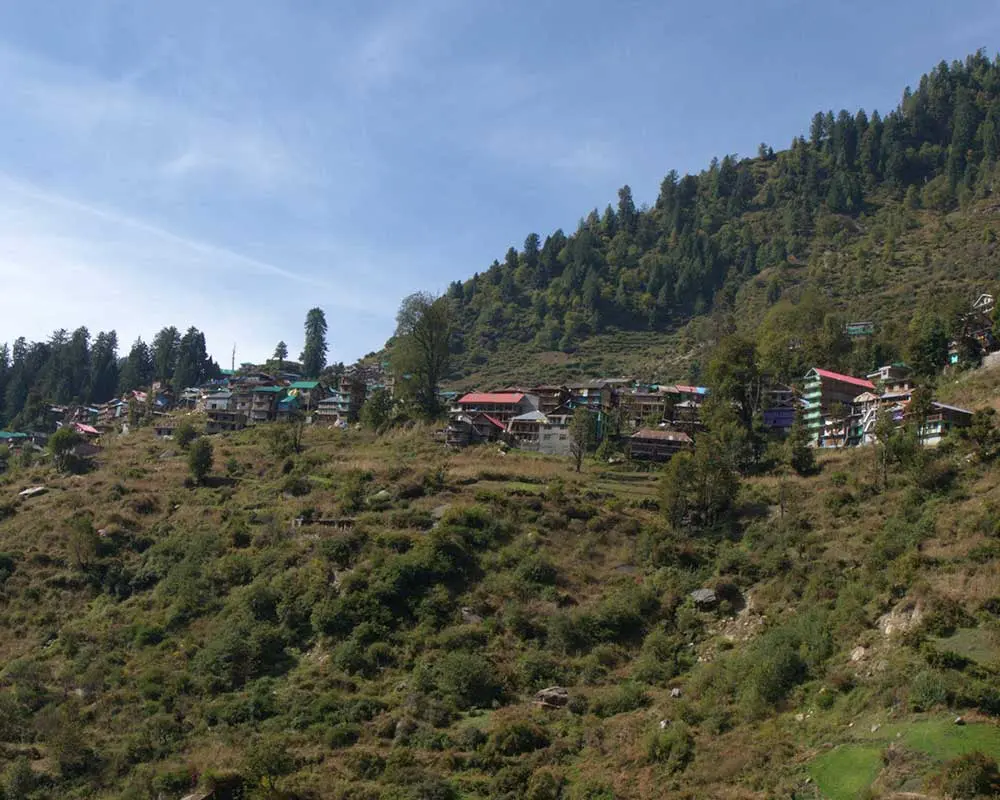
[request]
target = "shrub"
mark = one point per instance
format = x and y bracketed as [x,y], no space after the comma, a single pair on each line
[517,737]
[200,458]
[343,735]
[927,690]
[624,698]
[969,776]
[673,747]
[184,434]
[469,680]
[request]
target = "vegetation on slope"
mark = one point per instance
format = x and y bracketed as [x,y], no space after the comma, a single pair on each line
[165,633]
[873,213]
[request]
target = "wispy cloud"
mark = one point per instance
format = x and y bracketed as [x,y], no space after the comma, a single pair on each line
[151,135]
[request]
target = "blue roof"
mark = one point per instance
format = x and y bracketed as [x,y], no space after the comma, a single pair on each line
[7,435]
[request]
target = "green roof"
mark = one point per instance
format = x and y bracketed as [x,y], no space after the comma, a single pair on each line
[269,389]
[6,435]
[304,385]
[227,372]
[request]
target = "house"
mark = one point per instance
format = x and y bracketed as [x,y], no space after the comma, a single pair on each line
[502,406]
[288,407]
[550,397]
[219,401]
[593,395]
[779,408]
[465,429]
[264,403]
[190,398]
[86,430]
[543,433]
[892,377]
[220,420]
[690,394]
[334,408]
[941,421]
[165,427]
[642,404]
[830,394]
[309,393]
[242,402]
[657,444]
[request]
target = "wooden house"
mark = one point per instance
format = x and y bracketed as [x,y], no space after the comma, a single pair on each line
[657,444]
[220,420]
[309,393]
[478,428]
[941,421]
[219,401]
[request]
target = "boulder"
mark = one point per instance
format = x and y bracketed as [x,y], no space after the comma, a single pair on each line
[553,697]
[705,599]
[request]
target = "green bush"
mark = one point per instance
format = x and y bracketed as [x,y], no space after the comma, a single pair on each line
[469,680]
[927,690]
[627,697]
[673,747]
[516,737]
[969,776]
[184,434]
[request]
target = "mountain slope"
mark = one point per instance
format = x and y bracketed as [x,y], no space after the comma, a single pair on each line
[162,636]
[868,212]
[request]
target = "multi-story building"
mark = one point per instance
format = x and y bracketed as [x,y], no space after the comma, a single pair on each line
[264,403]
[830,394]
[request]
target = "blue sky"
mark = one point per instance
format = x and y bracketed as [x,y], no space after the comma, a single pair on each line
[232,164]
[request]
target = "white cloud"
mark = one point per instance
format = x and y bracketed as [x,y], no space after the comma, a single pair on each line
[64,263]
[149,136]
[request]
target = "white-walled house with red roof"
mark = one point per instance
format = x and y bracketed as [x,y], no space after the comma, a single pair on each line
[502,406]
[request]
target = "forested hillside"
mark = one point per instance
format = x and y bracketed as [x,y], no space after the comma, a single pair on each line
[859,210]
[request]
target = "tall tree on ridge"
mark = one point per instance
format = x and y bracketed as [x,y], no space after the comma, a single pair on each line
[166,348]
[313,356]
[421,349]
[280,354]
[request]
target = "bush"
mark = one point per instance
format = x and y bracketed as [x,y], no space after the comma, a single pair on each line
[469,680]
[184,434]
[516,738]
[969,776]
[620,700]
[200,458]
[673,747]
[927,690]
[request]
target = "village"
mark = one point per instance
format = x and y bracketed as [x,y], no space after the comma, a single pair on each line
[649,421]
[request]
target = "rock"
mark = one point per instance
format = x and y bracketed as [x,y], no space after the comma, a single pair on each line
[904,617]
[34,491]
[675,692]
[405,727]
[381,496]
[469,617]
[704,599]
[875,728]
[553,697]
[663,724]
[800,717]
[858,653]
[850,724]
[959,720]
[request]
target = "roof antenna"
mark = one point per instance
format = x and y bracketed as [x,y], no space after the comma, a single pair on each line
[233,366]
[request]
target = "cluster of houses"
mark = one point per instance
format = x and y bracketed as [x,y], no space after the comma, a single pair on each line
[838,411]
[538,418]
[230,403]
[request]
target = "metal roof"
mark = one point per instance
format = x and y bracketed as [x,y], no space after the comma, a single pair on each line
[492,397]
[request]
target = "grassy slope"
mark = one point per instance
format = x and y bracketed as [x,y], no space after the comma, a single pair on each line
[132,674]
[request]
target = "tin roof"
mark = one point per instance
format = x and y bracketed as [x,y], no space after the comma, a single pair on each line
[492,397]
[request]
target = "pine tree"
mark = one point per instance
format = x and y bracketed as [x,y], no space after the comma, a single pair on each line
[280,354]
[799,455]
[313,356]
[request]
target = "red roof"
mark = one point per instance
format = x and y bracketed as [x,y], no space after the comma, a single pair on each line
[492,397]
[836,376]
[86,429]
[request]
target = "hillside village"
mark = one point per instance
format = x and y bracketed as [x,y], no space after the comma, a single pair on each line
[645,421]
